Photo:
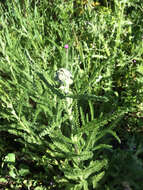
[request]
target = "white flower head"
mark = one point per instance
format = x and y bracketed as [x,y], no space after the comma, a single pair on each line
[99,78]
[64,77]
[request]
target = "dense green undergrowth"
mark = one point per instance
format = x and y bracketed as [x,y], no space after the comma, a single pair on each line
[88,136]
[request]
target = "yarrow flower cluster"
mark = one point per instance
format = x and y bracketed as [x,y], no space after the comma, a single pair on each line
[64,77]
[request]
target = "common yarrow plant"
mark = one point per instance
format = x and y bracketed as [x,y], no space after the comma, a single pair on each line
[70,81]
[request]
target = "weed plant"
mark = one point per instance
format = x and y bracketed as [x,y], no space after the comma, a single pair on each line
[101,147]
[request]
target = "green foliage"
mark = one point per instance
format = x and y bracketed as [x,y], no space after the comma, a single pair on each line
[41,147]
[127,162]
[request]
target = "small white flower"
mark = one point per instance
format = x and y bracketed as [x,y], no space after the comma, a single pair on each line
[64,77]
[99,78]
